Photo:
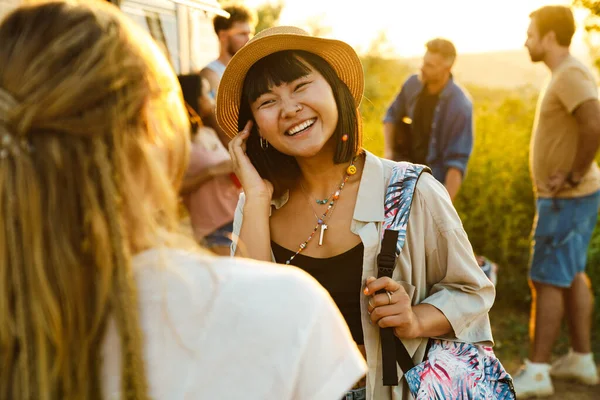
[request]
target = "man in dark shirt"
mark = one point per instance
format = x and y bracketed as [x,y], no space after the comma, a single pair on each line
[421,126]
[431,120]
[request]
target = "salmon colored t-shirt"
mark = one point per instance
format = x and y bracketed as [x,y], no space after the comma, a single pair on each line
[213,204]
[555,132]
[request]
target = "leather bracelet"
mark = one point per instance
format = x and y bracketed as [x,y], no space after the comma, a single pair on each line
[570,180]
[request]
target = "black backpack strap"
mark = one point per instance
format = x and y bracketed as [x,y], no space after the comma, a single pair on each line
[402,357]
[385,266]
[392,348]
[398,201]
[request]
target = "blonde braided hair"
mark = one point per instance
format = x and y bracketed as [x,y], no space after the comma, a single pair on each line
[93,141]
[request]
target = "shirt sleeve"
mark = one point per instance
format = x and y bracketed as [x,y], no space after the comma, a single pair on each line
[396,110]
[237,222]
[573,87]
[331,362]
[460,144]
[459,288]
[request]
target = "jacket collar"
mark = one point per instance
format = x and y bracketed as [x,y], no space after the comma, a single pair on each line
[447,90]
[371,192]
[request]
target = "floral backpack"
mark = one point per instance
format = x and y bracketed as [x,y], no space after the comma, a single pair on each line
[449,370]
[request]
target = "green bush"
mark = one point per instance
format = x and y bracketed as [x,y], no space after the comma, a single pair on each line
[383,80]
[496,200]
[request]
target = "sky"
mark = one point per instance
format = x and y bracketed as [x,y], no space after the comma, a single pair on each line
[473,25]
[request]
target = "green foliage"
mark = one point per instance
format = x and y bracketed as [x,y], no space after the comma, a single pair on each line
[268,15]
[383,79]
[496,201]
[592,27]
[592,5]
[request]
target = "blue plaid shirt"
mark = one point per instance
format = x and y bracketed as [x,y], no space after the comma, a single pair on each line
[451,140]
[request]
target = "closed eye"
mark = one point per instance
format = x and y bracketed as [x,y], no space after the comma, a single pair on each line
[266,103]
[301,85]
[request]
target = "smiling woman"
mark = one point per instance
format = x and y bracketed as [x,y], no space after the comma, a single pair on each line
[309,99]
[293,98]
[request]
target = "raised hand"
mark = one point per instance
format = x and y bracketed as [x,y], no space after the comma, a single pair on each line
[255,187]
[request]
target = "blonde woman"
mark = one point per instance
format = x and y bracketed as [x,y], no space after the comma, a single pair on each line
[97,298]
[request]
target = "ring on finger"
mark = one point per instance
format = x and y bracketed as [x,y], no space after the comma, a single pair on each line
[372,306]
[389,296]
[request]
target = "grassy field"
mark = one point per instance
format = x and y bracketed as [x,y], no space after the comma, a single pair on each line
[511,334]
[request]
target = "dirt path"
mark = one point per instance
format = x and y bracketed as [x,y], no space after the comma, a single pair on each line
[565,390]
[510,328]
[570,391]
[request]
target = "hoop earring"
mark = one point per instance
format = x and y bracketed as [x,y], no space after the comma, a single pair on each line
[264,144]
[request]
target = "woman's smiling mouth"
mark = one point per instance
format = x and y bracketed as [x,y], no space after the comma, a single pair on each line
[301,127]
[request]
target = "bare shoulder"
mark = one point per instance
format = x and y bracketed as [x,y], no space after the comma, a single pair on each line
[207,72]
[211,76]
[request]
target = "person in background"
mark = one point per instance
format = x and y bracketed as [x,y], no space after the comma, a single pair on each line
[431,122]
[209,189]
[566,182]
[233,33]
[101,298]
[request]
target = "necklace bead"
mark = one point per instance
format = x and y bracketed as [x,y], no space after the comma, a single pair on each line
[351,170]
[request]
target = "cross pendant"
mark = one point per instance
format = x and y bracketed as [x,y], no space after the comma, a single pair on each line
[323,227]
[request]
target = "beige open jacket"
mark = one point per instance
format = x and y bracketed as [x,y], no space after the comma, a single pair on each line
[436,266]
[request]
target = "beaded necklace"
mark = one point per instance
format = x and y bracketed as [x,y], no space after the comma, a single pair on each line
[351,170]
[326,216]
[318,201]
[324,201]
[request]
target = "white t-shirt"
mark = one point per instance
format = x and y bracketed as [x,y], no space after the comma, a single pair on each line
[231,328]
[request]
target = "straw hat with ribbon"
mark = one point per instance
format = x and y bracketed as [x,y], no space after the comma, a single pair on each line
[339,55]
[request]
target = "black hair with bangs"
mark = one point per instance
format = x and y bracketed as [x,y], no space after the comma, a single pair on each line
[285,67]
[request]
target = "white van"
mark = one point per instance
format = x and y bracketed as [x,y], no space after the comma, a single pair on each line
[183,28]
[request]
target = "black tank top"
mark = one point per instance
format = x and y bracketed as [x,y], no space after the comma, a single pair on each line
[341,275]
